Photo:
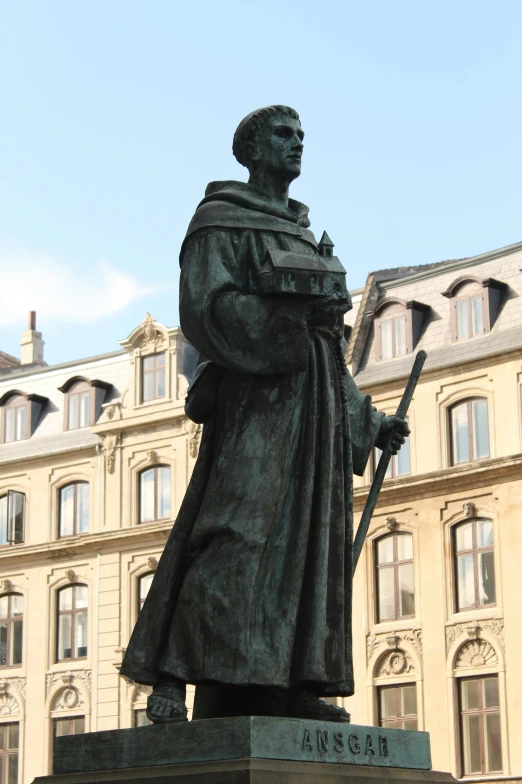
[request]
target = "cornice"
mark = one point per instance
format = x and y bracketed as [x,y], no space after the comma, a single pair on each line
[444,481]
[69,548]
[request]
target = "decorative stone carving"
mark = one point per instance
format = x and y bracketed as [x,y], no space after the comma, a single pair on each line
[6,586]
[469,509]
[110,442]
[152,563]
[113,410]
[476,653]
[70,680]
[195,432]
[71,575]
[142,693]
[151,335]
[472,629]
[67,699]
[391,523]
[395,663]
[152,456]
[393,641]
[19,683]
[8,703]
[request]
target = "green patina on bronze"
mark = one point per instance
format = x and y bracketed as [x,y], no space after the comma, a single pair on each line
[254,588]
[255,737]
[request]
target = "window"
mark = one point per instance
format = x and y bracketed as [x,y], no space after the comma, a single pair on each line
[74,509]
[474,564]
[72,622]
[469,430]
[470,316]
[12,518]
[11,629]
[153,377]
[15,419]
[398,326]
[79,406]
[9,742]
[394,577]
[393,337]
[474,306]
[480,725]
[144,584]
[69,725]
[398,706]
[140,718]
[155,494]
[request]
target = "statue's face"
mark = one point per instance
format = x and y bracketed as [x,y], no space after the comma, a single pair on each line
[279,147]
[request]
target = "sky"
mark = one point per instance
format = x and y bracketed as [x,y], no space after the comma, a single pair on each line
[115,114]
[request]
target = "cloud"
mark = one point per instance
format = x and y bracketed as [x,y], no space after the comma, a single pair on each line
[59,292]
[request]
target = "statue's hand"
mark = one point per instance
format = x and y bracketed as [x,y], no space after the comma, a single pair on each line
[322,310]
[399,429]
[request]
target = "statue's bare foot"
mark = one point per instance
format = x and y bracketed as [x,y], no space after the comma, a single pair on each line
[303,704]
[167,703]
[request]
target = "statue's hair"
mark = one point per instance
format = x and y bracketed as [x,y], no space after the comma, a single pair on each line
[250,127]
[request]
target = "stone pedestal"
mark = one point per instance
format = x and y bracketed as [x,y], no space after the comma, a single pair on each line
[246,750]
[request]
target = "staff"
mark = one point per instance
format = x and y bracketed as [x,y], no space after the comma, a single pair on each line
[384,461]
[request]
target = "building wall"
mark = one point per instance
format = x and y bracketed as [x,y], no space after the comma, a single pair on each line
[127,437]
[427,503]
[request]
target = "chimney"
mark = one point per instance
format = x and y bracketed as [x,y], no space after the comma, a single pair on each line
[32,343]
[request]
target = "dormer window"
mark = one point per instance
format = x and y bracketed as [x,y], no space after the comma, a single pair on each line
[19,415]
[397,327]
[474,306]
[83,401]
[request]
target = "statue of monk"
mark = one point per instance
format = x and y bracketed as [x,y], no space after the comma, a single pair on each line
[251,600]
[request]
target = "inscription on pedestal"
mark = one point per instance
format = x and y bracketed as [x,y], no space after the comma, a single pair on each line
[339,742]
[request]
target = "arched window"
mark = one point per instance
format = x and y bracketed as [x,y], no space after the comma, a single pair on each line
[469,426]
[398,325]
[11,629]
[474,564]
[72,623]
[74,509]
[394,577]
[154,491]
[144,583]
[12,518]
[83,401]
[153,377]
[480,735]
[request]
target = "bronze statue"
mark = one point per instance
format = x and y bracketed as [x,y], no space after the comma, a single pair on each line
[251,600]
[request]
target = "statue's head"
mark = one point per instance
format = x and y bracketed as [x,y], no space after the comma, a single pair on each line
[270,138]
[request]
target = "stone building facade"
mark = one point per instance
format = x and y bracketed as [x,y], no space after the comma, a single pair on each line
[95,456]
[437,630]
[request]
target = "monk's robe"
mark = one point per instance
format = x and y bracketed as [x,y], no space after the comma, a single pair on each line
[255,582]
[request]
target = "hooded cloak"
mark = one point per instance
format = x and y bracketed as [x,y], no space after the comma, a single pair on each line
[254,586]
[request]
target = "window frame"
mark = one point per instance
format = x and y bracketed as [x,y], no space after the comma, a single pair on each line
[398,717]
[74,484]
[10,620]
[13,403]
[73,613]
[6,753]
[395,564]
[475,551]
[481,711]
[469,402]
[77,390]
[11,518]
[154,372]
[140,491]
[139,601]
